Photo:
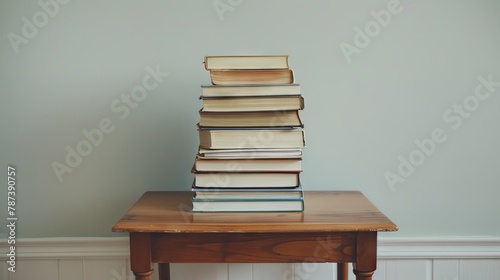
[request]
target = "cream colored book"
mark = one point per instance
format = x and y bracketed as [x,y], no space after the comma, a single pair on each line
[203,164]
[251,77]
[250,153]
[249,90]
[246,62]
[251,138]
[246,180]
[253,103]
[250,119]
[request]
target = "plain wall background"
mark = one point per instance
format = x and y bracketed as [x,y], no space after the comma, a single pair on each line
[360,116]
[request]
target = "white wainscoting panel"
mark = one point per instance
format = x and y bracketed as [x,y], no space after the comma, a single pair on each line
[380,273]
[183,271]
[398,259]
[409,269]
[36,269]
[312,271]
[71,269]
[240,271]
[479,269]
[105,269]
[3,270]
[265,271]
[446,269]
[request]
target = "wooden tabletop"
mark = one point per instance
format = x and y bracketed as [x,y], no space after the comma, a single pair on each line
[325,211]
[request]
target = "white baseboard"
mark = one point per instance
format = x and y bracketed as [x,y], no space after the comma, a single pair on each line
[389,248]
[439,248]
[69,247]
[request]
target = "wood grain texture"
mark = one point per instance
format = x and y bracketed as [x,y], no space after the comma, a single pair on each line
[325,211]
[336,226]
[253,248]
[342,271]
[140,254]
[366,252]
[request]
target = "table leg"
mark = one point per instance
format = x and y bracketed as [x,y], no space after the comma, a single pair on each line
[140,255]
[366,255]
[342,271]
[164,271]
[143,276]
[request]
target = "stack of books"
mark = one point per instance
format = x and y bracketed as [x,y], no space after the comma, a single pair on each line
[251,137]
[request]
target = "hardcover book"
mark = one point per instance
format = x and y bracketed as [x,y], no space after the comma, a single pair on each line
[246,179]
[246,62]
[250,153]
[251,138]
[251,77]
[247,193]
[249,90]
[203,164]
[255,205]
[252,103]
[262,119]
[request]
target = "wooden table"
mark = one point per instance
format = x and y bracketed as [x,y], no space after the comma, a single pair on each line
[336,226]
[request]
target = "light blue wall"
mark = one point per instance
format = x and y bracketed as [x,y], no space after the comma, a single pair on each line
[65,67]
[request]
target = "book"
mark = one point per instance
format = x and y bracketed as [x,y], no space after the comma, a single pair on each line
[253,103]
[249,153]
[249,90]
[269,119]
[251,138]
[254,205]
[247,193]
[203,164]
[246,62]
[234,179]
[244,77]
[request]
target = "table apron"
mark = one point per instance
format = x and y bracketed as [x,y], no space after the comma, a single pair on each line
[253,247]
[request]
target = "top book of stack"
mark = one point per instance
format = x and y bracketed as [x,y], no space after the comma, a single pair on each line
[249,70]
